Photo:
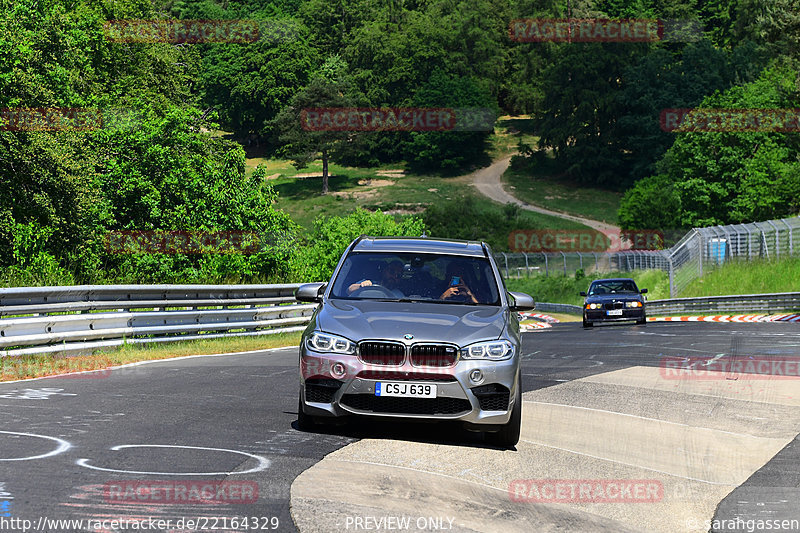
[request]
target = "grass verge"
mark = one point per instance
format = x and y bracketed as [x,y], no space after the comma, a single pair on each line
[537,185]
[747,277]
[41,365]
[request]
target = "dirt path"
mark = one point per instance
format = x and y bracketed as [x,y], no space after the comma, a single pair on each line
[489,183]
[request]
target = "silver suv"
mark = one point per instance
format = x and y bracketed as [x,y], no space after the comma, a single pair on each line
[414,328]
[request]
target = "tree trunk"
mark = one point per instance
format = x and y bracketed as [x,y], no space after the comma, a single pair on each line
[324,172]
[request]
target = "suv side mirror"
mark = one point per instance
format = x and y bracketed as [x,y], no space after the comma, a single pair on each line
[643,291]
[310,292]
[522,302]
[583,293]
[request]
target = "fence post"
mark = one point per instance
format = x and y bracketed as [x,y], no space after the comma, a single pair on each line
[777,240]
[700,247]
[505,258]
[596,267]
[580,258]
[791,250]
[565,262]
[671,277]
[546,270]
[527,270]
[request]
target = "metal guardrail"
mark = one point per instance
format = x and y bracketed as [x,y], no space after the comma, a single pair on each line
[743,303]
[737,303]
[558,308]
[61,319]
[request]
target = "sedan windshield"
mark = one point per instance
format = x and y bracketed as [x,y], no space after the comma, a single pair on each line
[417,277]
[613,287]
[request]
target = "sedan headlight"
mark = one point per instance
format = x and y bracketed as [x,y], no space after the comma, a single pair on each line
[325,342]
[495,350]
[592,306]
[633,304]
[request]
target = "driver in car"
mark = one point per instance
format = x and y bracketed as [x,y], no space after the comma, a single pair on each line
[390,279]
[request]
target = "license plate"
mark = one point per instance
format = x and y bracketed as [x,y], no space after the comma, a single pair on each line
[615,312]
[405,390]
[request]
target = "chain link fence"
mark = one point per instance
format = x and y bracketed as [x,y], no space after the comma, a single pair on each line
[700,248]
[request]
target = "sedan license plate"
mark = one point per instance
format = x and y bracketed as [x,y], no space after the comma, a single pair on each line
[615,312]
[405,390]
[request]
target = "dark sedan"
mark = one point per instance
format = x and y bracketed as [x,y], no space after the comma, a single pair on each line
[613,300]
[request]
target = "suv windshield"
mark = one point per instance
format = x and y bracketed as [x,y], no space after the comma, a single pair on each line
[424,277]
[613,287]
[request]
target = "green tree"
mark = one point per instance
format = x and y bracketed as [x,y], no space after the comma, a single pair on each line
[725,177]
[329,88]
[330,237]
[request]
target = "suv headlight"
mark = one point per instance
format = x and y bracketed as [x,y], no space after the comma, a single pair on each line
[325,342]
[495,350]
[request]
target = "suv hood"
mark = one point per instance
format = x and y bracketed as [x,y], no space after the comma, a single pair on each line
[457,324]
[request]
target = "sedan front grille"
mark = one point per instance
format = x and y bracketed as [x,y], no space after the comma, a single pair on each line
[410,406]
[440,355]
[614,305]
[382,353]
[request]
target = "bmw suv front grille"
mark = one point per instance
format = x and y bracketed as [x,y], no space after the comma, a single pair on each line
[382,353]
[433,355]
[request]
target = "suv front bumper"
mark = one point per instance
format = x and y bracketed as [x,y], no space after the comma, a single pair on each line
[326,393]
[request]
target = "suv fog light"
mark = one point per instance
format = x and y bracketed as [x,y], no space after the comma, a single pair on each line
[338,370]
[476,376]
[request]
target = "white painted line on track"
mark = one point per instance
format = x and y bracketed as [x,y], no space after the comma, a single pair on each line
[62,446]
[263,463]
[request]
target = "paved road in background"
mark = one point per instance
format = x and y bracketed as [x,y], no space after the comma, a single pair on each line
[489,182]
[65,441]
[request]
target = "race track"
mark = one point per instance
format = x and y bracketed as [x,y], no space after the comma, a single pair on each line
[599,408]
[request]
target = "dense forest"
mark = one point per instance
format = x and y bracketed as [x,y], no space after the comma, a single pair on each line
[595,107]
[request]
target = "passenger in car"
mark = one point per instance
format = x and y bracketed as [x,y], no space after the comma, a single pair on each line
[458,284]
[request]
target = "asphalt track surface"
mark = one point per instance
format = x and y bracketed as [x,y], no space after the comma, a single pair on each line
[65,441]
